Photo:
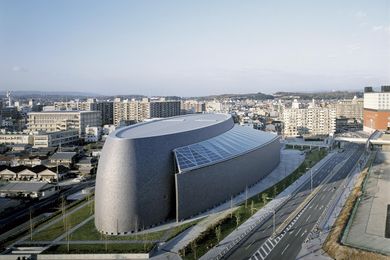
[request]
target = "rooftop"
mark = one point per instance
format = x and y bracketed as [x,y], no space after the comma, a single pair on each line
[63,156]
[64,111]
[25,187]
[170,125]
[239,140]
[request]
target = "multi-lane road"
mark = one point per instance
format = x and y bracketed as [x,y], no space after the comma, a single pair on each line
[260,244]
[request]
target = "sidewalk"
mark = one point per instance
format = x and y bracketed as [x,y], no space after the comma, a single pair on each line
[235,237]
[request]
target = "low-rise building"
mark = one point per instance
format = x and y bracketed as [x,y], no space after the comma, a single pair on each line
[63,158]
[93,134]
[52,121]
[55,139]
[87,165]
[16,138]
[28,190]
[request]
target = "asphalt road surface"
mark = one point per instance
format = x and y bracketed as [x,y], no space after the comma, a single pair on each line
[260,245]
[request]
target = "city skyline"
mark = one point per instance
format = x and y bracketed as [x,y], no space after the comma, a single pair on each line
[193,49]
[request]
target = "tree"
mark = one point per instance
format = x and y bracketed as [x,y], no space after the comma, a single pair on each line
[218,233]
[193,248]
[237,216]
[264,198]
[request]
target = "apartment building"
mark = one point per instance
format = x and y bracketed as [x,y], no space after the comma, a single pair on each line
[192,107]
[312,121]
[133,111]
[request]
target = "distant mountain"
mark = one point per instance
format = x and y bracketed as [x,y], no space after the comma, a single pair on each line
[32,93]
[319,95]
[257,96]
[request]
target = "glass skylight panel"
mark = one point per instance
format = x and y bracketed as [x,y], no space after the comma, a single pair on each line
[232,143]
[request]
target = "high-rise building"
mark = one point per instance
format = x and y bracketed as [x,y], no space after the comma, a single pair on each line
[192,106]
[51,121]
[376,111]
[137,111]
[159,109]
[312,121]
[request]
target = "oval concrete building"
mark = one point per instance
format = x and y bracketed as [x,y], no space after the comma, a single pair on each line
[176,168]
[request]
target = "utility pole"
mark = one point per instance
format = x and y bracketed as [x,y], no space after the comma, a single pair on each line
[311,180]
[31,225]
[273,224]
[67,232]
[246,196]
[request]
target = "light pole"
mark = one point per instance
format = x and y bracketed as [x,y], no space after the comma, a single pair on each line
[273,226]
[311,179]
[273,218]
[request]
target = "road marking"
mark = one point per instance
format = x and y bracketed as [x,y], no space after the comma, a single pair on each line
[261,255]
[298,232]
[250,244]
[304,233]
[272,243]
[270,249]
[285,249]
[308,217]
[266,253]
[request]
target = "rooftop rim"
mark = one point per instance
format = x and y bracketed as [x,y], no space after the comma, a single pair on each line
[182,123]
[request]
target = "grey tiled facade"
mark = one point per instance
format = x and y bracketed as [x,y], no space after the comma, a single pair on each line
[138,184]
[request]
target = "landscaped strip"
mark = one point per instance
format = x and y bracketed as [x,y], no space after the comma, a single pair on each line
[219,231]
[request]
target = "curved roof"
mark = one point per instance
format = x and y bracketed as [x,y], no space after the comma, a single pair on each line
[239,140]
[170,125]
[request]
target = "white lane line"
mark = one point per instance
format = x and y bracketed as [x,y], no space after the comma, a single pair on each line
[285,249]
[298,232]
[308,217]
[261,255]
[248,246]
[304,233]
[269,248]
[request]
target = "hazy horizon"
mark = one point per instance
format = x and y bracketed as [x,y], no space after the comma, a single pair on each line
[200,48]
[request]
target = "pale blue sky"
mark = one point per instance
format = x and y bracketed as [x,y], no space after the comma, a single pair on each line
[193,47]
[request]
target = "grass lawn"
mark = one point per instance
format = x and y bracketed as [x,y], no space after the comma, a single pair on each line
[89,232]
[58,228]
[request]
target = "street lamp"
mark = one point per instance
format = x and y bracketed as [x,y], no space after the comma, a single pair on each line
[311,179]
[273,218]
